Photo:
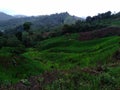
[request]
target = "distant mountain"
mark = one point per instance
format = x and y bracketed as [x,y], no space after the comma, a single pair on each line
[41,22]
[20,16]
[4,16]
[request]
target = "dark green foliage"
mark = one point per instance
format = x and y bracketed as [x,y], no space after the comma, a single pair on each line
[91,23]
[65,29]
[3,41]
[1,33]
[26,26]
[27,42]
[12,41]
[89,19]
[107,79]
[81,27]
[101,16]
[19,35]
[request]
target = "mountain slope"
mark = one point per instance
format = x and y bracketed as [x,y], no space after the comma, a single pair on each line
[41,22]
[20,16]
[4,16]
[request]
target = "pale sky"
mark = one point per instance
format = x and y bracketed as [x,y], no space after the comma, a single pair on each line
[80,8]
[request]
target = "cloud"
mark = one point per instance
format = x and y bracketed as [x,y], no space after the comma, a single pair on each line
[74,7]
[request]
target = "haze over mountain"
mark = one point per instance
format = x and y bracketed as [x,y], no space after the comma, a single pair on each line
[4,16]
[20,16]
[38,22]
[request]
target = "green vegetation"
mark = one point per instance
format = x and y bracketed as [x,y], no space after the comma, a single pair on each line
[59,60]
[68,53]
[13,67]
[60,53]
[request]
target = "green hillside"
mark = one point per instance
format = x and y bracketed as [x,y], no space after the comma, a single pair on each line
[65,53]
[65,49]
[81,56]
[68,53]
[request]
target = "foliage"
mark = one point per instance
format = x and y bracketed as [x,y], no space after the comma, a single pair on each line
[26,26]
[58,59]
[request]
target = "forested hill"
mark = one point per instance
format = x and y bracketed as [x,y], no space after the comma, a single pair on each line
[40,22]
[4,16]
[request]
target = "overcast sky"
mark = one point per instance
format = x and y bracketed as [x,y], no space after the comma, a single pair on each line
[80,8]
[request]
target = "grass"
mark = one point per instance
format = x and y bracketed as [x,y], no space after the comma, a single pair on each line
[13,68]
[66,53]
[72,52]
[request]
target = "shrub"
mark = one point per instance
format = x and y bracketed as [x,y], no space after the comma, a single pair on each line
[107,79]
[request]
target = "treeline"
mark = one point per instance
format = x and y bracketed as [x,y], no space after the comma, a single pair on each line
[81,26]
[91,23]
[100,16]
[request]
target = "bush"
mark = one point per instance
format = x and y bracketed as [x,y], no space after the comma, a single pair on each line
[12,42]
[107,79]
[2,41]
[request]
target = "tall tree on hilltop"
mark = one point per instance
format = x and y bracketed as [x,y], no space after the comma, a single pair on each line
[28,40]
[27,26]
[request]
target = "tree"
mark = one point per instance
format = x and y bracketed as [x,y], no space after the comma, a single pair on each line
[12,41]
[19,35]
[108,14]
[89,19]
[27,26]
[1,33]
[28,40]
[68,29]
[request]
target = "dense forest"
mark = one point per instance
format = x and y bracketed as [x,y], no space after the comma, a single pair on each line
[60,52]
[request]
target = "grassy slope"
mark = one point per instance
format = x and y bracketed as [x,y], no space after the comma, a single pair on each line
[71,52]
[63,53]
[13,67]
[66,53]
